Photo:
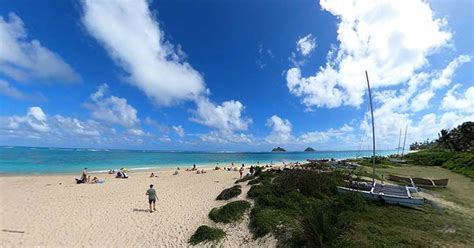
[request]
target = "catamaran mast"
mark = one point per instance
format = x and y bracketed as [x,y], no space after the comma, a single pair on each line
[373,129]
[404,140]
[399,142]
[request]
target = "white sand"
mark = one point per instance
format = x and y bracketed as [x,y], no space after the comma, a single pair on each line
[53,211]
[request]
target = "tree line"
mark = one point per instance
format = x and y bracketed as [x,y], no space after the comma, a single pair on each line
[460,138]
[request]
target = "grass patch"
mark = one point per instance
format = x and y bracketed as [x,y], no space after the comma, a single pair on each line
[231,212]
[207,234]
[460,162]
[231,192]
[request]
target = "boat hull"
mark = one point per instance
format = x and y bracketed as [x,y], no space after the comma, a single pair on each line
[390,199]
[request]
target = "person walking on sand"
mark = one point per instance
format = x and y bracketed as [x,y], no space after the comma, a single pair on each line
[151,193]
[241,171]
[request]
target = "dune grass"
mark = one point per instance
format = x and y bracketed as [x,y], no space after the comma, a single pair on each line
[229,193]
[231,212]
[207,234]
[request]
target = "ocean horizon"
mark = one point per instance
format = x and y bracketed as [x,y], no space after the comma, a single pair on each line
[56,160]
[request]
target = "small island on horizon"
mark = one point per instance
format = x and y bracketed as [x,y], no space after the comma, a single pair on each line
[309,149]
[278,149]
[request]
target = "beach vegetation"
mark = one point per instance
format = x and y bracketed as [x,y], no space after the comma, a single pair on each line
[231,212]
[229,193]
[460,162]
[458,139]
[207,234]
[302,208]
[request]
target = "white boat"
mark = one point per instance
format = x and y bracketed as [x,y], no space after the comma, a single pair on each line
[391,194]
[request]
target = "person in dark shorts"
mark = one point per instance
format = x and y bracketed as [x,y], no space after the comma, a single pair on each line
[151,193]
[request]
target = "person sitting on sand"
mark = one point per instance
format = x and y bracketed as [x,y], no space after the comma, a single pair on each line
[217,168]
[95,180]
[151,193]
[84,175]
[177,168]
[203,171]
[88,180]
[175,173]
[198,172]
[152,174]
[235,169]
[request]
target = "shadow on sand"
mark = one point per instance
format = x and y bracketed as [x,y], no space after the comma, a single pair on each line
[141,210]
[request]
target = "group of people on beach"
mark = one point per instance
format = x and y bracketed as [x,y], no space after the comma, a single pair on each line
[86,178]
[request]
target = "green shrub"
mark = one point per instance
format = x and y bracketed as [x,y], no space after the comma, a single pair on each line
[226,194]
[462,163]
[429,158]
[232,211]
[257,190]
[308,182]
[266,220]
[206,234]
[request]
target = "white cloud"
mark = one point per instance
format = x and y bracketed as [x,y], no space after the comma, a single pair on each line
[456,101]
[390,39]
[10,91]
[112,109]
[23,59]
[325,136]
[227,116]
[37,128]
[179,131]
[306,45]
[281,130]
[421,101]
[129,32]
[136,132]
[160,127]
[225,137]
[35,119]
[445,77]
[87,128]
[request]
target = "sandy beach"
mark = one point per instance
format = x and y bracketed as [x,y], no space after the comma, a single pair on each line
[54,211]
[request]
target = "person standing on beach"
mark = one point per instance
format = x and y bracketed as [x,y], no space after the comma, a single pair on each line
[151,193]
[84,175]
[241,171]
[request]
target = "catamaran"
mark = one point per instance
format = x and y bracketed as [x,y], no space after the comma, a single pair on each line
[391,194]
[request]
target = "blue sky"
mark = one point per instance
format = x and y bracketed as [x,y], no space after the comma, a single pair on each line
[232,75]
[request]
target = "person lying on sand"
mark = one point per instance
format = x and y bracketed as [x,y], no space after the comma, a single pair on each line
[151,193]
[203,171]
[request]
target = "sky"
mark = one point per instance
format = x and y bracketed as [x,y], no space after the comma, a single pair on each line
[233,75]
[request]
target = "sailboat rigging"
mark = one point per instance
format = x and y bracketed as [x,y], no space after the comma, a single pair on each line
[392,194]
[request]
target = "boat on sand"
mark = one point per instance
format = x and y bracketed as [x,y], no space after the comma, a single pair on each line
[420,181]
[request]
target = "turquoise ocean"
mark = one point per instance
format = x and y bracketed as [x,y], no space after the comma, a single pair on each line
[41,160]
